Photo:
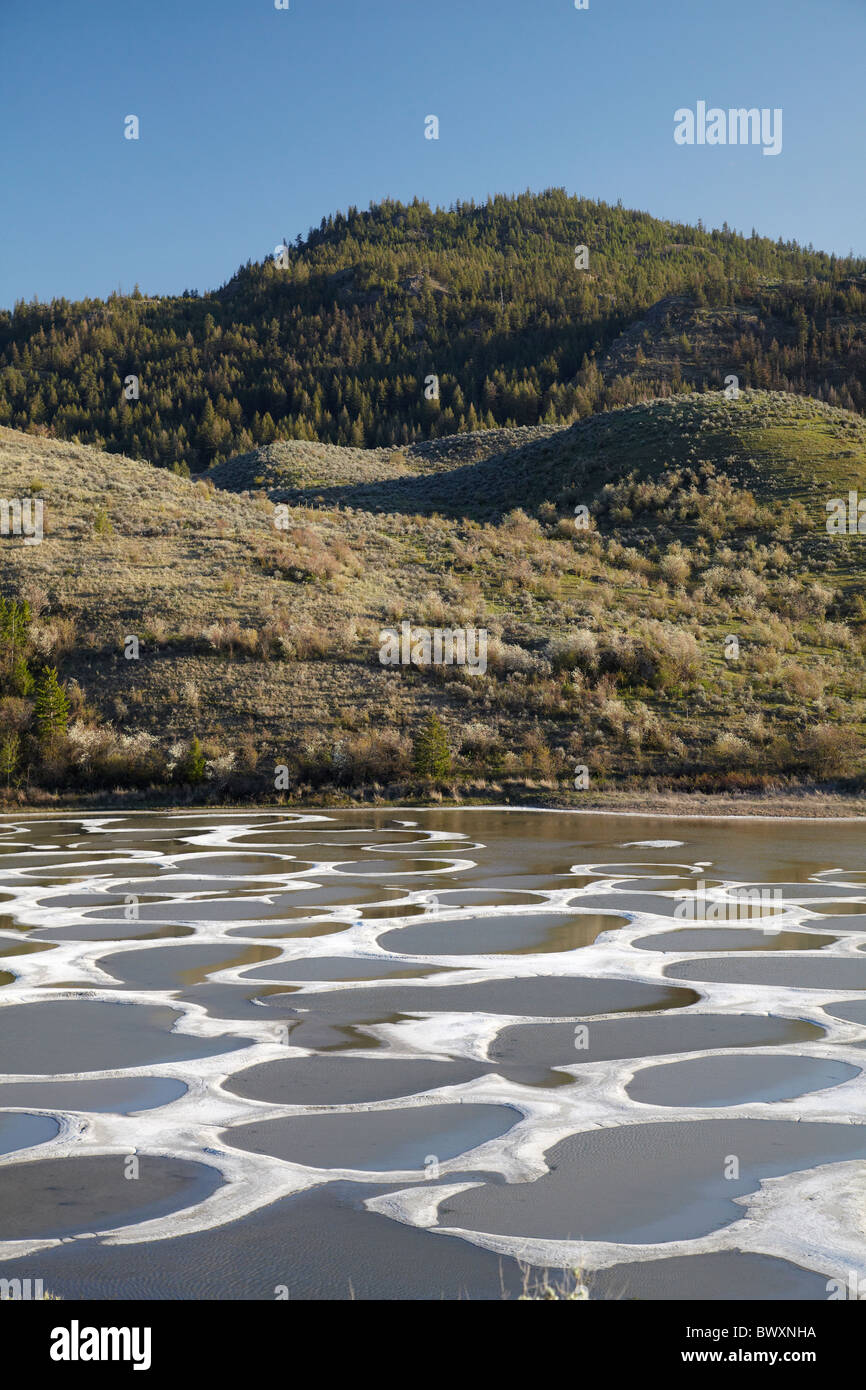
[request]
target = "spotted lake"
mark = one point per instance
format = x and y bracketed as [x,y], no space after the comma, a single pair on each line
[413,1053]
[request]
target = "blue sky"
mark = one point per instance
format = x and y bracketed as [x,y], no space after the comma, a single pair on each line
[257,122]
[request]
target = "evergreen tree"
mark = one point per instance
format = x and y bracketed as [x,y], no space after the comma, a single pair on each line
[14,635]
[21,681]
[431,756]
[10,751]
[50,706]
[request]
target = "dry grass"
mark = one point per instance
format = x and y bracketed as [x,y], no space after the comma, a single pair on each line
[607,646]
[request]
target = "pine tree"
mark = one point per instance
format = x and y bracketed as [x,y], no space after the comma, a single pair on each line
[50,706]
[14,633]
[21,681]
[207,435]
[431,756]
[10,748]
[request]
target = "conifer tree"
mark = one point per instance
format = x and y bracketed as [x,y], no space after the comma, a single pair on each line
[50,706]
[14,634]
[10,748]
[431,756]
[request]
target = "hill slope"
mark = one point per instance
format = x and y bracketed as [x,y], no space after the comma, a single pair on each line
[608,647]
[784,447]
[341,343]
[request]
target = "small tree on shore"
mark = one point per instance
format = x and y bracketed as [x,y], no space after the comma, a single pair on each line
[431,756]
[10,751]
[191,767]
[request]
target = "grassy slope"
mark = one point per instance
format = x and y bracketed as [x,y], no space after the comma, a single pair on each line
[780,446]
[265,644]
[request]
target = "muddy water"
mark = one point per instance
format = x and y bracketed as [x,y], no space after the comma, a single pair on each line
[413,1047]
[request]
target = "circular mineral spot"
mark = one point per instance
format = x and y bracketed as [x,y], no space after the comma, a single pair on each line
[546,996]
[201,910]
[806,972]
[804,892]
[230,864]
[113,1095]
[847,922]
[117,929]
[160,889]
[389,868]
[677,884]
[373,914]
[344,1080]
[676,1176]
[64,1196]
[502,934]
[173,967]
[342,968]
[716,1081]
[60,1037]
[326,892]
[397,1140]
[24,1131]
[651,1035]
[854,1011]
[733,939]
[480,897]
[304,927]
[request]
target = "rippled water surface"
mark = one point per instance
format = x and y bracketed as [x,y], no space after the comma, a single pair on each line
[399,1053]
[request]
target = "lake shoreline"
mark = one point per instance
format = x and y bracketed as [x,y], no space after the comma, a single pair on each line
[780,806]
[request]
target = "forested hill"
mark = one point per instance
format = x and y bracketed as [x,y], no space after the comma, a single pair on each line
[337,342]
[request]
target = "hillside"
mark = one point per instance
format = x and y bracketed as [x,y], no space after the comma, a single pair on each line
[771,338]
[608,646]
[784,447]
[339,343]
[293,467]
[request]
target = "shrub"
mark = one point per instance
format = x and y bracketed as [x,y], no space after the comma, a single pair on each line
[192,766]
[674,568]
[577,651]
[830,751]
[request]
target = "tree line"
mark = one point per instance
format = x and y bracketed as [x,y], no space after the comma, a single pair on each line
[335,339]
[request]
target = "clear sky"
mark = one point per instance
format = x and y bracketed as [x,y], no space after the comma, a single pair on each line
[255,122]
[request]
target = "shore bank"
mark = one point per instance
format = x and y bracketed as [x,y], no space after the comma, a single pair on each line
[787,805]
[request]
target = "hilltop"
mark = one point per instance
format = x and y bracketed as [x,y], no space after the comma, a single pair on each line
[404,323]
[609,646]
